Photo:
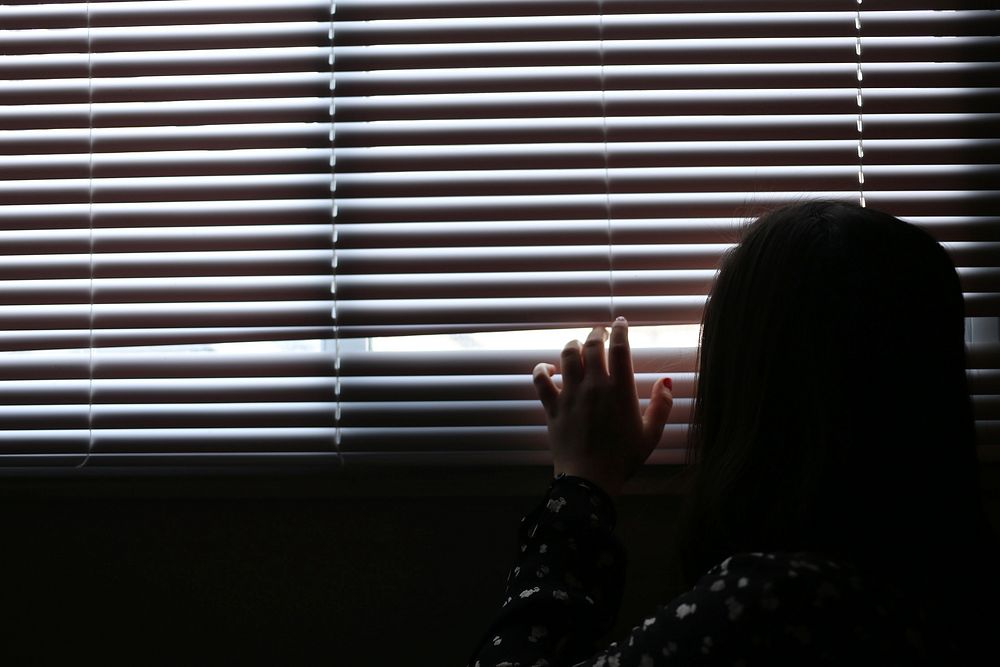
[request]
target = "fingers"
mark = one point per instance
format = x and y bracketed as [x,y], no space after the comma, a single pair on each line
[620,355]
[594,359]
[547,391]
[661,400]
[571,363]
[587,360]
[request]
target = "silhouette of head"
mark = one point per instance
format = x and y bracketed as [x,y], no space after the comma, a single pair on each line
[832,411]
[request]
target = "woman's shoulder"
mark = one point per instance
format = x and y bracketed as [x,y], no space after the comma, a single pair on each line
[785,608]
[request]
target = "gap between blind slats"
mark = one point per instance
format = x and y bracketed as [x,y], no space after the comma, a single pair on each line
[353,389]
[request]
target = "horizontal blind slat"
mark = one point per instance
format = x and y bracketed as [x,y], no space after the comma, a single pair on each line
[179,289]
[738,125]
[111,365]
[168,264]
[658,26]
[662,179]
[58,15]
[809,75]
[167,390]
[137,315]
[592,232]
[165,163]
[389,158]
[652,205]
[166,37]
[660,51]
[151,63]
[171,89]
[82,338]
[353,389]
[166,188]
[680,102]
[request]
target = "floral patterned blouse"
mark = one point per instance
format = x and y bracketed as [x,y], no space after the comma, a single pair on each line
[751,609]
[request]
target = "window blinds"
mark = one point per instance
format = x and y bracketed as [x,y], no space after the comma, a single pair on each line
[524,165]
[498,166]
[166,208]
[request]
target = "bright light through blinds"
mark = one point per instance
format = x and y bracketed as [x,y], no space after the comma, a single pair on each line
[506,173]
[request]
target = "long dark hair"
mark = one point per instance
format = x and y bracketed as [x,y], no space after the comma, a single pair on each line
[832,410]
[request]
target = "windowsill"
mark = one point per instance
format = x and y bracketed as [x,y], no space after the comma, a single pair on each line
[357,481]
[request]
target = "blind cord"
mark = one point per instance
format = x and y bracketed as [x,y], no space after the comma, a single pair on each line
[612,311]
[334,239]
[861,104]
[90,224]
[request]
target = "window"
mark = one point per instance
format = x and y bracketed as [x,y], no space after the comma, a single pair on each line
[505,174]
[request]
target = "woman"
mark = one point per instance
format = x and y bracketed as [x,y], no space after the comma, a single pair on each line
[832,510]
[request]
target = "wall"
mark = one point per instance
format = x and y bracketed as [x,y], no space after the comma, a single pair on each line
[289,571]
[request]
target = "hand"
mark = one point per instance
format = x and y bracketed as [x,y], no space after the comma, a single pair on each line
[596,430]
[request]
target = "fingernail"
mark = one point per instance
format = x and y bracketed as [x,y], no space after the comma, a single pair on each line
[668,383]
[620,318]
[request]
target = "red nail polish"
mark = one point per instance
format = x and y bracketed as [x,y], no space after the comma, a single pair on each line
[668,383]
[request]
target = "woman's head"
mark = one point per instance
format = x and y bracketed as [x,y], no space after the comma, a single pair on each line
[832,410]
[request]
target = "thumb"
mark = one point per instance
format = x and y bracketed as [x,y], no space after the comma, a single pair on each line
[658,410]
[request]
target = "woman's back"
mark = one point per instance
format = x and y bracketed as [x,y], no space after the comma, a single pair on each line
[832,436]
[833,412]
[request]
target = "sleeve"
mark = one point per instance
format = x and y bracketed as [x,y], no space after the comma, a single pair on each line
[566,584]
